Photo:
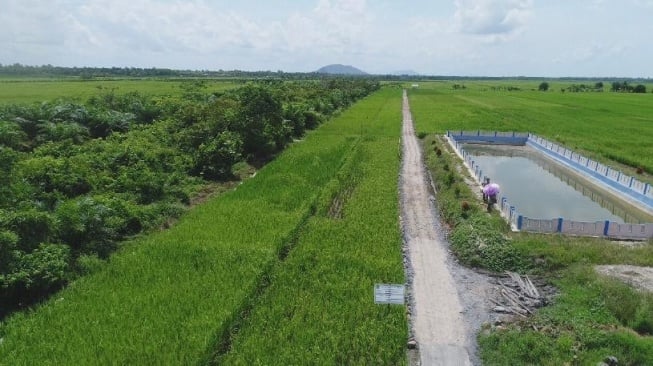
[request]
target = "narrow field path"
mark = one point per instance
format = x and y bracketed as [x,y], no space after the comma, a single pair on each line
[437,320]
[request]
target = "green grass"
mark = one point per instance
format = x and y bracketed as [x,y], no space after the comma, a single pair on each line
[610,127]
[592,317]
[177,296]
[38,90]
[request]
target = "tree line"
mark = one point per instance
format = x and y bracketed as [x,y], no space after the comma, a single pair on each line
[86,73]
[76,179]
[617,86]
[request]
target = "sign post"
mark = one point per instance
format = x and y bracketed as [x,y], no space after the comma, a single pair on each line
[388,294]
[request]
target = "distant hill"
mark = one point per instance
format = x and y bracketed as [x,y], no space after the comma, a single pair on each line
[338,69]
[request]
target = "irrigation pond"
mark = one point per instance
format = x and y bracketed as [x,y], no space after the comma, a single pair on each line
[542,188]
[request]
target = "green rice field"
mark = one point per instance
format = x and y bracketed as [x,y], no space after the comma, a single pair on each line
[611,127]
[38,90]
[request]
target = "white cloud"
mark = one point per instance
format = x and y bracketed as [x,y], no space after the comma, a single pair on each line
[645,3]
[129,27]
[496,19]
[463,37]
[336,26]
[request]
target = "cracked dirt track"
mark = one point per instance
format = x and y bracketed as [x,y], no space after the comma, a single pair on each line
[437,313]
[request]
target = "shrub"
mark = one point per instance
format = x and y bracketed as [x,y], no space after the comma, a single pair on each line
[479,243]
[88,226]
[31,226]
[30,276]
[8,241]
[12,136]
[214,158]
[55,177]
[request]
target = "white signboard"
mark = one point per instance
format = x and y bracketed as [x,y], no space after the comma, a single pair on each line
[388,294]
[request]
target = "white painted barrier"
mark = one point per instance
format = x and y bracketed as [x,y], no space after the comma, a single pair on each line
[539,225]
[580,228]
[602,171]
[630,231]
[560,225]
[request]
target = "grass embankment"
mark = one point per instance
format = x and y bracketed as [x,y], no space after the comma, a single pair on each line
[614,128]
[179,296]
[592,317]
[26,90]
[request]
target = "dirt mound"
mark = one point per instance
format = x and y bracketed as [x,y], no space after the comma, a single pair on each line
[638,277]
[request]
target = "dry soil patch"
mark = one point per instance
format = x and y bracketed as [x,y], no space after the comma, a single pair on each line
[640,278]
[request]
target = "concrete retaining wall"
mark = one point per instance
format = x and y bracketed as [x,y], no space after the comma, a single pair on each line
[634,189]
[623,183]
[490,138]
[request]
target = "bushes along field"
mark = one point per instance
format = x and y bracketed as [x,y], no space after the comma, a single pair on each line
[77,179]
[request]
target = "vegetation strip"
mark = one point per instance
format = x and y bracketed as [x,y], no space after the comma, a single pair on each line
[76,179]
[593,317]
[319,307]
[163,298]
[223,344]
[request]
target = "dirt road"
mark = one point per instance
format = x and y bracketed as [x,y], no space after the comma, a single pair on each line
[437,313]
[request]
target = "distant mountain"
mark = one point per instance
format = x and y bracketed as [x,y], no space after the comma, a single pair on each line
[338,69]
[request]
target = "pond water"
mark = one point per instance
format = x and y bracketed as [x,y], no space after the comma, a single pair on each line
[542,189]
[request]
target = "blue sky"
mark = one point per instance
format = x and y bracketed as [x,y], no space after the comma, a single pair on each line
[455,37]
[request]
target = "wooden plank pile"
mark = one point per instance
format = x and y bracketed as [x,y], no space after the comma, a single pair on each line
[519,295]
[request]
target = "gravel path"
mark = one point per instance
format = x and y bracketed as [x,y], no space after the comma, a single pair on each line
[436,309]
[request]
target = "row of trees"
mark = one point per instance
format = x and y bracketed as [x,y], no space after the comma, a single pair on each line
[625,87]
[76,179]
[617,86]
[85,73]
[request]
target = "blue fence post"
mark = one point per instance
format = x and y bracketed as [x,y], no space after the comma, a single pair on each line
[587,163]
[607,170]
[646,187]
[520,220]
[618,176]
[559,224]
[448,133]
[513,133]
[478,132]
[495,133]
[630,185]
[606,228]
